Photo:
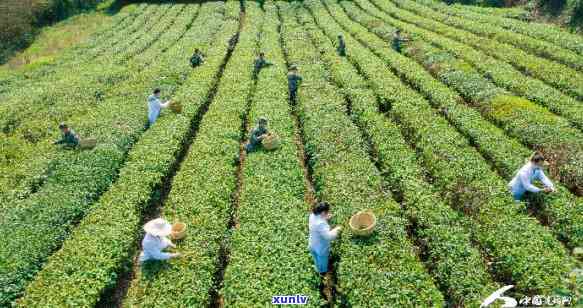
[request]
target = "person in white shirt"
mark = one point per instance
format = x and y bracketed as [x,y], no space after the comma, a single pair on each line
[155,106]
[522,182]
[156,240]
[321,236]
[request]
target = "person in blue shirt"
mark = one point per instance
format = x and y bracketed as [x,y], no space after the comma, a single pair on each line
[321,236]
[155,106]
[522,182]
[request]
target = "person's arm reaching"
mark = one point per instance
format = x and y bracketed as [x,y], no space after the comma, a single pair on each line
[328,234]
[546,181]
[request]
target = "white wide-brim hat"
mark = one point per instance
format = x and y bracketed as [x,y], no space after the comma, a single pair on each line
[158,227]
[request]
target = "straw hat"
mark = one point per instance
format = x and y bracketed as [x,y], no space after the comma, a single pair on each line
[158,227]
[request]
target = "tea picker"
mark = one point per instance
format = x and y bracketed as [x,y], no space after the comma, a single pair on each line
[260,63]
[294,80]
[156,240]
[532,170]
[341,49]
[197,58]
[69,138]
[397,41]
[155,106]
[321,236]
[258,133]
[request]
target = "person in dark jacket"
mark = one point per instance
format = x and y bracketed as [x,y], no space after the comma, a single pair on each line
[294,80]
[260,63]
[197,58]
[398,40]
[69,139]
[257,135]
[341,49]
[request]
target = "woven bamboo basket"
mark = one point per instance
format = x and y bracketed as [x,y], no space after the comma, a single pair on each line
[176,107]
[363,223]
[87,143]
[178,231]
[271,142]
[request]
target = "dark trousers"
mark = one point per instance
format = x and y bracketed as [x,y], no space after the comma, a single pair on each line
[293,96]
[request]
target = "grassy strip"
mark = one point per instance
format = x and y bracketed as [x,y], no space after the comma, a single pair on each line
[468,183]
[560,76]
[78,178]
[540,31]
[28,143]
[501,73]
[456,265]
[562,211]
[20,21]
[104,240]
[345,176]
[201,190]
[132,18]
[268,255]
[54,41]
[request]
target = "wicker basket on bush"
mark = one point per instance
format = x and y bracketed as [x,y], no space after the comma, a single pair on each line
[271,142]
[178,231]
[176,107]
[363,223]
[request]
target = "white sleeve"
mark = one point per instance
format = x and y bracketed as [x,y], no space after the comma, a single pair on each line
[324,230]
[543,178]
[166,242]
[154,249]
[526,183]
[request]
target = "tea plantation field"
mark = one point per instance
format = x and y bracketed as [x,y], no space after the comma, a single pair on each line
[426,138]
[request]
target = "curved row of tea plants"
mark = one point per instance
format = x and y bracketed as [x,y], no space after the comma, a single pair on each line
[111,229]
[30,140]
[547,32]
[564,78]
[456,265]
[384,269]
[201,191]
[469,184]
[562,210]
[544,137]
[531,45]
[513,13]
[267,249]
[501,73]
[78,178]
